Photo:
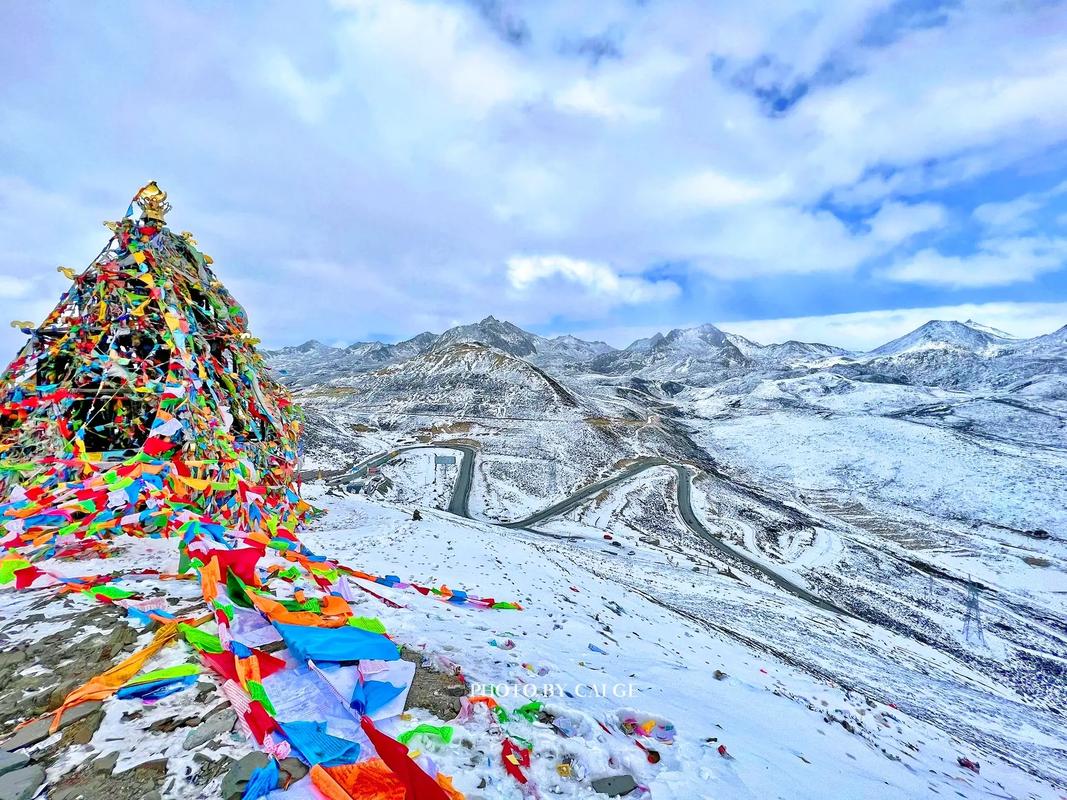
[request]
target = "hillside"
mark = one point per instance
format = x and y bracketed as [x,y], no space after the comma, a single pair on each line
[889,485]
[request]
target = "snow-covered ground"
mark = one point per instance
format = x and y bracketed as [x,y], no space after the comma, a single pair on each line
[879,443]
[782,726]
[418,479]
[610,633]
[913,489]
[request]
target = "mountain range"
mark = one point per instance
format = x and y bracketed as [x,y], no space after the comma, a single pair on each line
[943,353]
[900,483]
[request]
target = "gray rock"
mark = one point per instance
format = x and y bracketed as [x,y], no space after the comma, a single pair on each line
[22,784]
[215,725]
[615,785]
[10,761]
[105,765]
[294,768]
[233,785]
[37,731]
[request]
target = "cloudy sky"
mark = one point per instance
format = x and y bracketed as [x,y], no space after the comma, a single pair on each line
[839,170]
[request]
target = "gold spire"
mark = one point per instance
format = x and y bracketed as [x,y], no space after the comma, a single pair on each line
[153,202]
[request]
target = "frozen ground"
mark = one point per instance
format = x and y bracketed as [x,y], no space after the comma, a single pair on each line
[803,709]
[913,508]
[665,630]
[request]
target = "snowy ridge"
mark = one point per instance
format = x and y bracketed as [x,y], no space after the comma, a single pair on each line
[892,484]
[938,353]
[967,336]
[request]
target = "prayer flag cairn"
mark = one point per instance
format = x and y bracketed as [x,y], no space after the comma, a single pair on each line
[140,407]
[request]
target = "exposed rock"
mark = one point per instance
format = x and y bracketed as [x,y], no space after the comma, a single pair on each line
[22,784]
[10,761]
[437,692]
[137,783]
[37,731]
[233,785]
[171,724]
[615,785]
[81,731]
[105,765]
[215,725]
[292,769]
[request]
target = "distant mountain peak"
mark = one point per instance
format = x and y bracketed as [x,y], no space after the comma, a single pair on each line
[988,329]
[311,345]
[945,334]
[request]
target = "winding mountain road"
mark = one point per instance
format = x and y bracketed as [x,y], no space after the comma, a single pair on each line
[460,506]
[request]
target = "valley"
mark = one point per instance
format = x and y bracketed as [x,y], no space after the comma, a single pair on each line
[843,513]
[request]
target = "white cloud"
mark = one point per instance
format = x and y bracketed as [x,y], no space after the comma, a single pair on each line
[438,53]
[897,222]
[997,262]
[599,279]
[416,147]
[310,99]
[865,330]
[1017,215]
[1012,216]
[12,288]
[588,97]
[709,189]
[774,240]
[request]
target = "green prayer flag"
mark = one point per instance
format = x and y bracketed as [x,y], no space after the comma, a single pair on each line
[367,624]
[180,671]
[110,592]
[443,733]
[205,642]
[237,590]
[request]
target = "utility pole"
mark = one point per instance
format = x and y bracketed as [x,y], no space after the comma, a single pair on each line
[972,621]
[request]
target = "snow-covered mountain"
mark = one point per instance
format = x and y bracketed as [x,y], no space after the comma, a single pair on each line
[698,354]
[939,334]
[895,484]
[490,331]
[462,379]
[958,355]
[313,362]
[785,354]
[939,353]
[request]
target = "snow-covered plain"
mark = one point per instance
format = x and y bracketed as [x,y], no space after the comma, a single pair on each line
[803,709]
[665,630]
[913,487]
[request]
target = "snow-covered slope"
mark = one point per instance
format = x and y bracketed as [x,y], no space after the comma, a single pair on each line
[698,354]
[462,380]
[593,618]
[560,352]
[491,332]
[897,484]
[942,334]
[312,363]
[604,641]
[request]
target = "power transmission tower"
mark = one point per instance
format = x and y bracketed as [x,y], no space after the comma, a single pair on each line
[972,622]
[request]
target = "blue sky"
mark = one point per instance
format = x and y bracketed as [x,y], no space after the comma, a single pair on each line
[837,171]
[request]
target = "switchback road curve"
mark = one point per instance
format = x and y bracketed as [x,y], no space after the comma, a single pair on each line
[460,506]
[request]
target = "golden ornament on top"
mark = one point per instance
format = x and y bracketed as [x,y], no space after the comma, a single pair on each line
[153,202]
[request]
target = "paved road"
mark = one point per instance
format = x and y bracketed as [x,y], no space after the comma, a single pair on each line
[577,498]
[460,506]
